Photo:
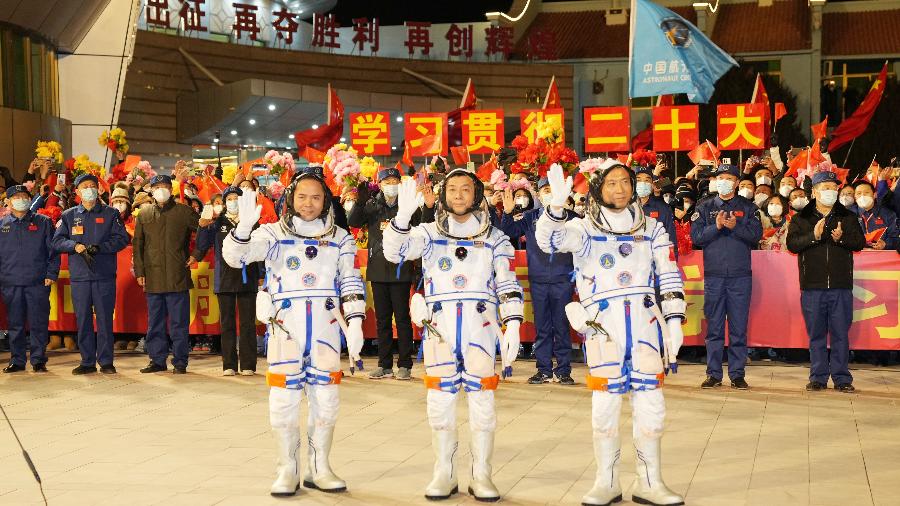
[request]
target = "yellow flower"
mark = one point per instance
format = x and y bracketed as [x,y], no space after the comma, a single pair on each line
[368,167]
[228,173]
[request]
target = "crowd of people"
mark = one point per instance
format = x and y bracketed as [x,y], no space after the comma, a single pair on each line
[171,229]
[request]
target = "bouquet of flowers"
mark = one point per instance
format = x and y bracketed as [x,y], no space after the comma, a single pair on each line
[50,150]
[82,164]
[341,160]
[535,158]
[279,163]
[368,168]
[140,174]
[276,190]
[589,165]
[228,173]
[643,158]
[114,140]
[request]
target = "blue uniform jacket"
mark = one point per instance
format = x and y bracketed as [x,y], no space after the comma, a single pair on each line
[877,218]
[540,268]
[657,209]
[100,226]
[27,256]
[726,253]
[227,279]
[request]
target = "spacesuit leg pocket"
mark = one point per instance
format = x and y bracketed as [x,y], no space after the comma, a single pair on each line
[479,361]
[647,360]
[440,361]
[603,357]
[327,349]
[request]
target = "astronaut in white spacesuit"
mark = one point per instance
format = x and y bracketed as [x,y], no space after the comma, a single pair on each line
[310,278]
[620,256]
[468,278]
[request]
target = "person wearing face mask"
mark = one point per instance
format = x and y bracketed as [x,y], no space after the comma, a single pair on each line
[28,266]
[92,234]
[763,192]
[774,221]
[268,207]
[874,217]
[685,198]
[824,235]
[763,175]
[786,186]
[727,228]
[548,276]
[390,284]
[233,287]
[798,200]
[746,187]
[654,207]
[846,196]
[162,264]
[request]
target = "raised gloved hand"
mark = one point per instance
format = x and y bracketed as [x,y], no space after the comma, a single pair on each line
[676,339]
[248,214]
[354,339]
[406,202]
[560,187]
[509,347]
[207,213]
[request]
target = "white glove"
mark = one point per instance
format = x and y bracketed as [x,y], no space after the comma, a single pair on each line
[207,213]
[509,347]
[248,214]
[407,202]
[354,338]
[676,338]
[560,187]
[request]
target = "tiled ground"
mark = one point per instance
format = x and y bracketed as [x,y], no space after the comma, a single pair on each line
[202,439]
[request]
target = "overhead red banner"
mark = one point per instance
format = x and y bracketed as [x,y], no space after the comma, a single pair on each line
[425,133]
[482,130]
[676,128]
[370,133]
[531,119]
[741,126]
[607,129]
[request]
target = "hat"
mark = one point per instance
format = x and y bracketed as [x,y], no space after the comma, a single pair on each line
[824,177]
[727,168]
[160,179]
[388,172]
[86,177]
[120,193]
[542,182]
[686,192]
[17,188]
[232,189]
[643,169]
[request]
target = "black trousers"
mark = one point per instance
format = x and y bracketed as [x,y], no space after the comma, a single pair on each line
[392,300]
[246,309]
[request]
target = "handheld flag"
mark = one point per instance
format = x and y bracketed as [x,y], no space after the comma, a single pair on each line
[857,123]
[667,54]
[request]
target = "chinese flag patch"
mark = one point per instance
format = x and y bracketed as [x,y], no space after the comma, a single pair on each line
[98,220]
[672,253]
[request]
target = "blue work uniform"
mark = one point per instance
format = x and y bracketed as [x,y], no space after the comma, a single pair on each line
[727,282]
[94,284]
[879,218]
[551,289]
[27,258]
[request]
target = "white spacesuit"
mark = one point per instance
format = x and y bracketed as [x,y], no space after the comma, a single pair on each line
[619,256]
[468,277]
[310,274]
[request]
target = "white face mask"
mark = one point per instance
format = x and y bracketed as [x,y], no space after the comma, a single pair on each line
[760,198]
[521,201]
[747,193]
[88,194]
[348,205]
[390,190]
[121,207]
[161,195]
[785,190]
[847,200]
[21,205]
[546,198]
[763,180]
[643,189]
[828,197]
[217,208]
[774,210]
[799,203]
[231,206]
[866,202]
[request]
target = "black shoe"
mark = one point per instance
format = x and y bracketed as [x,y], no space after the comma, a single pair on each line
[108,369]
[154,367]
[179,370]
[539,378]
[847,388]
[815,386]
[13,368]
[711,383]
[84,369]
[565,379]
[739,384]
[39,368]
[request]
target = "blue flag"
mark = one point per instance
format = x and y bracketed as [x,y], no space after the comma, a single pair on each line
[669,55]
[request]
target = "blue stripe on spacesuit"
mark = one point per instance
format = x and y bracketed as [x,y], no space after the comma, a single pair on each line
[326,343]
[285,362]
[620,238]
[308,328]
[459,357]
[628,330]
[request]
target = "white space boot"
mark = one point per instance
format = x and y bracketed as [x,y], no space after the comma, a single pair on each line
[607,489]
[308,461]
[287,471]
[649,487]
[322,477]
[481,487]
[444,483]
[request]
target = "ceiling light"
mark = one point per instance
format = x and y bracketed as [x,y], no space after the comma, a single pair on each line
[268,143]
[291,136]
[315,126]
[343,139]
[393,148]
[234,132]
[271,107]
[252,122]
[399,119]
